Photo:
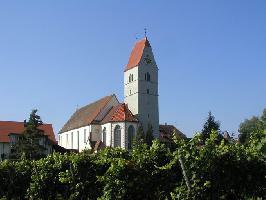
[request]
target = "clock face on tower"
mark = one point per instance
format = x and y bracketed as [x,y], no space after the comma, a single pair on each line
[147,59]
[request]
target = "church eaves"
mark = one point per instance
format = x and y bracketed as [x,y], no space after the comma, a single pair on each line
[136,53]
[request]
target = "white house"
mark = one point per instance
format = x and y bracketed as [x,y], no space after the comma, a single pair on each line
[111,123]
[10,132]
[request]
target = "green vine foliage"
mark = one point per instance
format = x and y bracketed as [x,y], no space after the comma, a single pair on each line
[221,171]
[193,170]
[15,179]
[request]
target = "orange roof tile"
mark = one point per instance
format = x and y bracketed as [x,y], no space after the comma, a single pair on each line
[136,53]
[118,114]
[7,127]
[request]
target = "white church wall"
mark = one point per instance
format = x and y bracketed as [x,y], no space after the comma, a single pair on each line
[108,127]
[79,142]
[131,90]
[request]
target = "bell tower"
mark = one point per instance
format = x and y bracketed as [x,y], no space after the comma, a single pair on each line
[141,85]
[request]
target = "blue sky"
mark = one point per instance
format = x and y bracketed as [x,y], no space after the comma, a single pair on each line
[57,54]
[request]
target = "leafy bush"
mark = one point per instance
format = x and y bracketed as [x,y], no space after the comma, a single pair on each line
[192,171]
[15,178]
[221,171]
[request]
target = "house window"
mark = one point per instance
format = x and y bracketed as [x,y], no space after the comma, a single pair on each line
[148,91]
[85,136]
[130,92]
[117,136]
[104,135]
[131,134]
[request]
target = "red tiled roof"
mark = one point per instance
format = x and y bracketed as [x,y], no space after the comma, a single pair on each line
[118,114]
[85,115]
[136,53]
[7,127]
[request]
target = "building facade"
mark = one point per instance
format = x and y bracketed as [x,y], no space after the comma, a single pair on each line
[105,120]
[114,124]
[11,131]
[141,86]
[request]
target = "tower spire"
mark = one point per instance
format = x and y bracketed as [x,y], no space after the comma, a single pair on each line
[145,32]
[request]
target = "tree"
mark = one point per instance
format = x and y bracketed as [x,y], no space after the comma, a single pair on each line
[140,136]
[253,125]
[149,135]
[28,144]
[209,126]
[263,118]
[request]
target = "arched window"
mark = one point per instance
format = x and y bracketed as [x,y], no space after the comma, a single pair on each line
[117,136]
[131,135]
[148,76]
[104,135]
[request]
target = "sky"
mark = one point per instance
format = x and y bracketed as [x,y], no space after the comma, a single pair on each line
[57,55]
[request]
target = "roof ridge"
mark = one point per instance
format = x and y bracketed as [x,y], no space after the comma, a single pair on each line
[107,101]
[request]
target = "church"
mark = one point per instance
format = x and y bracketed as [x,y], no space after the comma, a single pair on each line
[108,122]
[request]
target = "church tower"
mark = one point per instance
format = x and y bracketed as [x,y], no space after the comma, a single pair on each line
[141,85]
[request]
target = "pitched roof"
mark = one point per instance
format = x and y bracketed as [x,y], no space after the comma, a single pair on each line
[8,127]
[119,113]
[85,115]
[136,53]
[167,131]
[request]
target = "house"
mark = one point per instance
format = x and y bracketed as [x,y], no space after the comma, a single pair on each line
[168,132]
[10,132]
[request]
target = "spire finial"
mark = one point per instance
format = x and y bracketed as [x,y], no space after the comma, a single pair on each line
[145,32]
